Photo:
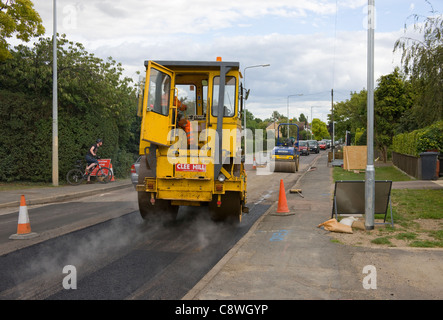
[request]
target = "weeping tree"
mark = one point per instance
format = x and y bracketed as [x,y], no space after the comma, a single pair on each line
[422,59]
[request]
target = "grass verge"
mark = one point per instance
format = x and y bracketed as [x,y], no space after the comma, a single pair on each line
[381,173]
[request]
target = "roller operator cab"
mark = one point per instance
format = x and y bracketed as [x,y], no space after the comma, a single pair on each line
[190,140]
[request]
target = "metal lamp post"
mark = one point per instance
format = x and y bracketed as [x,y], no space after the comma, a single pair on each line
[54,103]
[370,170]
[244,111]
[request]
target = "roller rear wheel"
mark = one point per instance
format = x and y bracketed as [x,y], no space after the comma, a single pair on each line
[230,209]
[160,210]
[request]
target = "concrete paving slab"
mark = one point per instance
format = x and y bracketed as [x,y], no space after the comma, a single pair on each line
[289,258]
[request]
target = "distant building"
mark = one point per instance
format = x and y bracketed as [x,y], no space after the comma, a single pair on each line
[274,126]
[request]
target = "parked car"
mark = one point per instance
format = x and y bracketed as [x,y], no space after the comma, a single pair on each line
[322,145]
[303,147]
[134,172]
[313,146]
[328,143]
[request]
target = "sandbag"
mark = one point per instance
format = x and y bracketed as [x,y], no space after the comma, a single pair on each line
[348,221]
[360,225]
[335,226]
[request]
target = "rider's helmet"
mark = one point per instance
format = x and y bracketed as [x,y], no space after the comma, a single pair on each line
[99,140]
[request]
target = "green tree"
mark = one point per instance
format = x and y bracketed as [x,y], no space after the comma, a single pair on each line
[18,17]
[350,115]
[304,135]
[251,122]
[319,129]
[361,137]
[391,101]
[423,62]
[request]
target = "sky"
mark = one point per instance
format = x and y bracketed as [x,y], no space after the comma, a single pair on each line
[311,46]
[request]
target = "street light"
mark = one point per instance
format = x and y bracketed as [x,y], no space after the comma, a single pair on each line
[54,103]
[244,111]
[370,170]
[292,95]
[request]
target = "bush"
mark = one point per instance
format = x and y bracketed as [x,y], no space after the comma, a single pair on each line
[431,138]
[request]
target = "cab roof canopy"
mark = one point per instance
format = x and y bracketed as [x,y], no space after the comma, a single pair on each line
[196,64]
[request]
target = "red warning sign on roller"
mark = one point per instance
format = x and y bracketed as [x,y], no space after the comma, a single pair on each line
[189,167]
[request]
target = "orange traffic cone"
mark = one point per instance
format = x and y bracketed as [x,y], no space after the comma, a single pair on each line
[254,165]
[282,208]
[282,203]
[23,226]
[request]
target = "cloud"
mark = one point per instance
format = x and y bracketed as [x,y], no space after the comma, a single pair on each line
[352,4]
[305,64]
[296,37]
[113,19]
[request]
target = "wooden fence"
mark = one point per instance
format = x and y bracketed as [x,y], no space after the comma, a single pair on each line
[407,163]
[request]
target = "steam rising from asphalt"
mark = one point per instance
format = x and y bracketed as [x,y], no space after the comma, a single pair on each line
[202,231]
[92,248]
[82,249]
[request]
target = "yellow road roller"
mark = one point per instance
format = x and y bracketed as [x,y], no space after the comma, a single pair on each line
[190,140]
[285,155]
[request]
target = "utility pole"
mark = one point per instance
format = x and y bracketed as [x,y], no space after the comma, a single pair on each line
[370,170]
[54,103]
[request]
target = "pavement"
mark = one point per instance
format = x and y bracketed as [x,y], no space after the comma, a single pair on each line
[45,195]
[287,257]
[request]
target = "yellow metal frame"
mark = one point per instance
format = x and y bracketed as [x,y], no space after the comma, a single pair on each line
[158,133]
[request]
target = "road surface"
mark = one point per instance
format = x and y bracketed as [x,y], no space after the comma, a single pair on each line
[101,244]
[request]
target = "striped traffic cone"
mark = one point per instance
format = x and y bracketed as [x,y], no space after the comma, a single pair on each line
[23,226]
[112,172]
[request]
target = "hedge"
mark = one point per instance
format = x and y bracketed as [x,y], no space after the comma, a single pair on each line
[95,101]
[421,140]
